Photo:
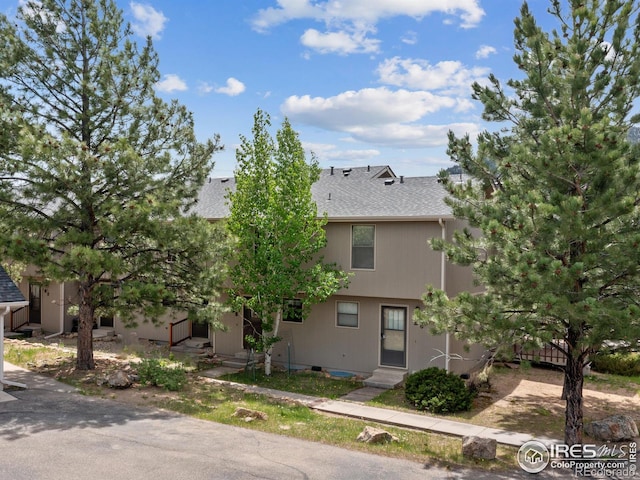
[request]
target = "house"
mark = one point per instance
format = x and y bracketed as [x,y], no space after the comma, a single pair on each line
[378,229]
[379,226]
[10,298]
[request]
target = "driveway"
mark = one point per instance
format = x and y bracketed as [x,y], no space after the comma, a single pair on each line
[51,433]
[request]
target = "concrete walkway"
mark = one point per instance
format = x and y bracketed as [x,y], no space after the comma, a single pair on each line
[352,405]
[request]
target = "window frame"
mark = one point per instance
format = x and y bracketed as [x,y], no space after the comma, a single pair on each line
[357,315]
[373,247]
[296,304]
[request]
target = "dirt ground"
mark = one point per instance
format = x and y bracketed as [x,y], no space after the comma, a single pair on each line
[529,400]
[520,399]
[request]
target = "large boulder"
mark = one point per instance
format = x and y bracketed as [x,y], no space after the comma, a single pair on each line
[375,435]
[249,415]
[119,379]
[479,447]
[615,428]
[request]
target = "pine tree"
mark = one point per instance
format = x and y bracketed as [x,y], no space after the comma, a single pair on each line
[278,234]
[554,203]
[97,174]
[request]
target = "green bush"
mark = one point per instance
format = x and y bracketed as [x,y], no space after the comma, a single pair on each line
[621,363]
[437,391]
[156,372]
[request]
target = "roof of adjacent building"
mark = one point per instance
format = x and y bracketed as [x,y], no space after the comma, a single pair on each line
[9,293]
[351,194]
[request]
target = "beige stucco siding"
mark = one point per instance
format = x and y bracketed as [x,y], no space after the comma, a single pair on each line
[318,341]
[404,261]
[55,299]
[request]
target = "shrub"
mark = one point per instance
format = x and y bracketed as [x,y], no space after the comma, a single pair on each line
[621,363]
[438,391]
[156,372]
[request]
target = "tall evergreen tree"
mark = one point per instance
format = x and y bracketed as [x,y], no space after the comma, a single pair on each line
[556,195]
[278,234]
[97,174]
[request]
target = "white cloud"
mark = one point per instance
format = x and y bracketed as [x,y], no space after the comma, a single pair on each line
[369,106]
[232,88]
[484,51]
[148,21]
[327,151]
[204,88]
[380,116]
[171,83]
[412,135]
[449,77]
[34,8]
[365,11]
[410,38]
[339,42]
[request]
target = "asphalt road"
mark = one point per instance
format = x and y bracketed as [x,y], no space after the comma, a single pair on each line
[48,434]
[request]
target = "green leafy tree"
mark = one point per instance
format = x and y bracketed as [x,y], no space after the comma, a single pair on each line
[554,202]
[278,234]
[97,174]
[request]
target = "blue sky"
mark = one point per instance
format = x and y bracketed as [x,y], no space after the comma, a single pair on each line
[363,82]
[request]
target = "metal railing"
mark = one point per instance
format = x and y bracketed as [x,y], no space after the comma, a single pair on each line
[19,318]
[179,332]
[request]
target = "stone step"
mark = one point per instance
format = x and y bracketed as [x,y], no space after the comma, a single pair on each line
[103,333]
[30,330]
[196,342]
[386,378]
[237,364]
[244,354]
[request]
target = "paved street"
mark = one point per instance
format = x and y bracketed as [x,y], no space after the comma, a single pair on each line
[49,434]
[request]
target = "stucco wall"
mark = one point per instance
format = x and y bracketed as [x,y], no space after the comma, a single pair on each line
[404,262]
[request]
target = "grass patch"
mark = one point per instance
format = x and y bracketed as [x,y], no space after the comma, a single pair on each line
[36,354]
[616,381]
[217,403]
[316,384]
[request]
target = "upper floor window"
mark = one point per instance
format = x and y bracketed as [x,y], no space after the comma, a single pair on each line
[292,311]
[363,246]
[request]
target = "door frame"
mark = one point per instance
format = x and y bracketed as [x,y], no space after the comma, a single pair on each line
[35,306]
[384,306]
[250,321]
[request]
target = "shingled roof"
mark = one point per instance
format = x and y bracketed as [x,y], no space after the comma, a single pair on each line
[352,194]
[9,293]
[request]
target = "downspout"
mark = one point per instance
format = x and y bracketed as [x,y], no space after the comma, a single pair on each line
[443,285]
[61,306]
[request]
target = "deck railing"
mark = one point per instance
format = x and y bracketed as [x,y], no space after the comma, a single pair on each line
[546,354]
[179,332]
[18,318]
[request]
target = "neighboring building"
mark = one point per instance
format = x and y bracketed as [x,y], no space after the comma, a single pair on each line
[10,298]
[379,226]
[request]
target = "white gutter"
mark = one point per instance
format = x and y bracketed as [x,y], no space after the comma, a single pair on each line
[443,285]
[61,314]
[7,310]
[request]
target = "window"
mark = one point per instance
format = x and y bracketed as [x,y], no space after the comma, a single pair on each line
[292,311]
[362,246]
[347,314]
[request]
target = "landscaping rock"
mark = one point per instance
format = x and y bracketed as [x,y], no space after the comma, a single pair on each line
[119,379]
[376,435]
[249,415]
[479,447]
[615,428]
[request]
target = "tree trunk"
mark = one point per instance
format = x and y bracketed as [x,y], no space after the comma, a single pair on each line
[84,360]
[572,394]
[268,352]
